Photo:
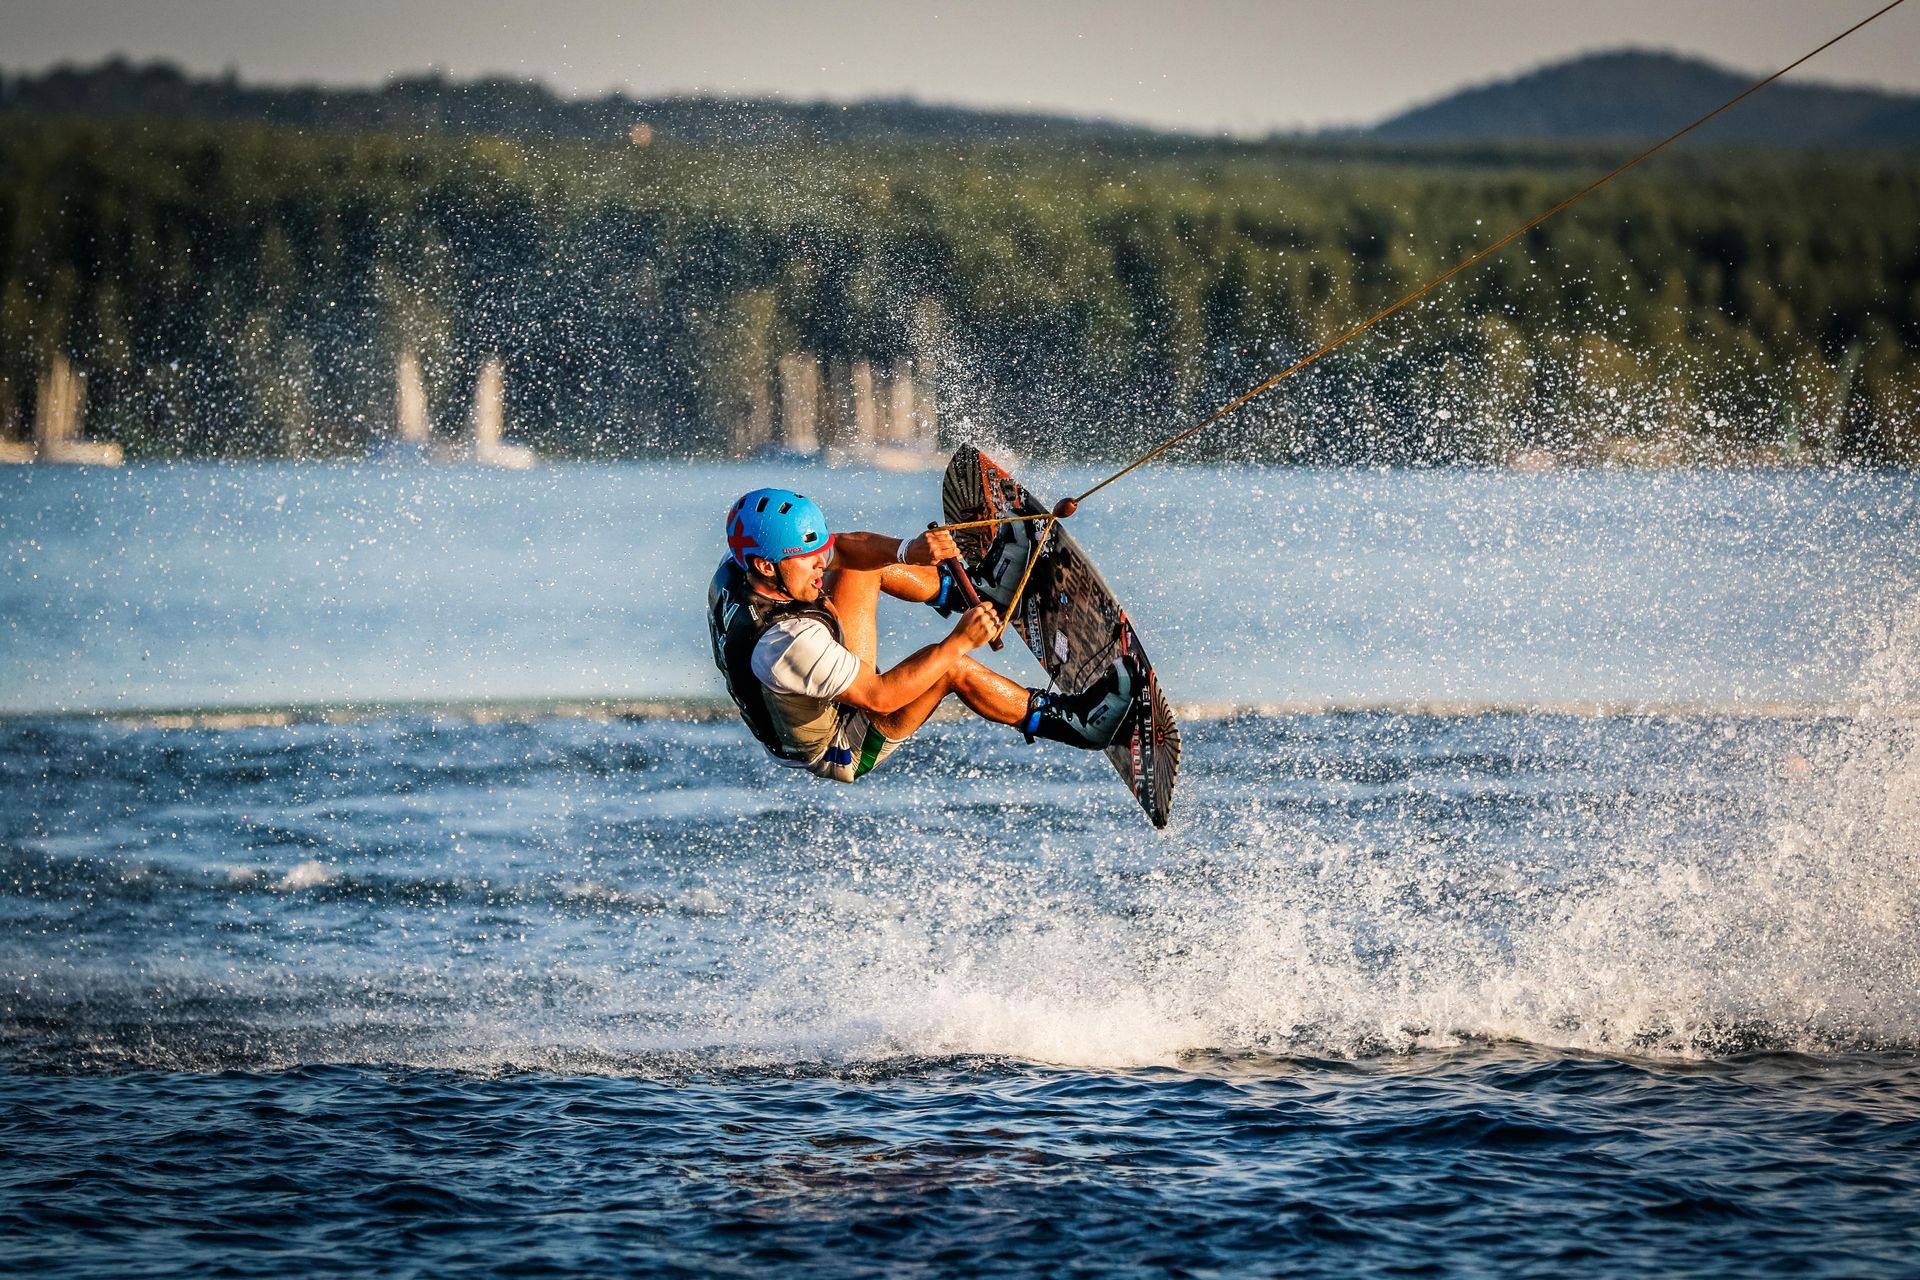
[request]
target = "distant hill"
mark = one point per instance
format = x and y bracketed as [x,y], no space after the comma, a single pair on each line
[1635,93]
[434,104]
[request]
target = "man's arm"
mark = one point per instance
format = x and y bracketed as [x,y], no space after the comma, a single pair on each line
[884,692]
[865,552]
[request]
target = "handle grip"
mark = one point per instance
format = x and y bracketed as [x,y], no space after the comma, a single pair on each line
[958,568]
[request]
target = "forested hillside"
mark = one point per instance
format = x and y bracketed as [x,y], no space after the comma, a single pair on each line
[1636,94]
[499,107]
[242,289]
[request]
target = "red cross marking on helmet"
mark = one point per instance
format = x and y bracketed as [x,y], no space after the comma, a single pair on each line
[739,542]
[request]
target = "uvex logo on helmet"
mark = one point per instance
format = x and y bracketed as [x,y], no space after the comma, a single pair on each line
[775,524]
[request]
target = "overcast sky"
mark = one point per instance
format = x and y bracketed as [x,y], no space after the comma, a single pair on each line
[1238,65]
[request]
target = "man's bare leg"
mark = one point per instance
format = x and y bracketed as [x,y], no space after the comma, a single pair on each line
[856,595]
[986,693]
[916,582]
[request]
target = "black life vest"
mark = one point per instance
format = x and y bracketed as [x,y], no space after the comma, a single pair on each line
[737,616]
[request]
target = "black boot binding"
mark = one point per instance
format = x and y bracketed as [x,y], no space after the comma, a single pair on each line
[1091,719]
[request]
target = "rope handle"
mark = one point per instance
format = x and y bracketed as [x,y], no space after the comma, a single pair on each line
[958,568]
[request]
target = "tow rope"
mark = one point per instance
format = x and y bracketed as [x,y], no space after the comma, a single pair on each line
[1067,506]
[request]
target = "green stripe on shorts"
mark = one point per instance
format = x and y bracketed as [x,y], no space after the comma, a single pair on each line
[870,749]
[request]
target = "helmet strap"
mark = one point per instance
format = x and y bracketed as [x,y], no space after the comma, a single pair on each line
[768,584]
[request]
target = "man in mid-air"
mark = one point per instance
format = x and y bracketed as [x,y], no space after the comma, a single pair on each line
[791,613]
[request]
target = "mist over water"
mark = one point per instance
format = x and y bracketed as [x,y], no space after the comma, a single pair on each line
[1623,969]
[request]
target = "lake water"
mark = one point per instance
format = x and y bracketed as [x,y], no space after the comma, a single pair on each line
[1609,965]
[199,586]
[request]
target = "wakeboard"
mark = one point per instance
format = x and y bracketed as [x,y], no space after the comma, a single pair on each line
[1068,616]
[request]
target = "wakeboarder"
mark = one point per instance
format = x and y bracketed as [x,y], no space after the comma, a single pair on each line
[791,613]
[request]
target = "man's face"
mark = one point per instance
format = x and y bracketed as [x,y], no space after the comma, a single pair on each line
[802,577]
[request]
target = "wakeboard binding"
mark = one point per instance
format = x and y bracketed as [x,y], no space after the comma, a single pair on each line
[1092,719]
[1000,569]
[949,600]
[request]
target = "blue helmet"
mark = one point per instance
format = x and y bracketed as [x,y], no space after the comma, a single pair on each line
[775,524]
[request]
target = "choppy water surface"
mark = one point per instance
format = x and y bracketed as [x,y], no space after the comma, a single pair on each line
[1519,993]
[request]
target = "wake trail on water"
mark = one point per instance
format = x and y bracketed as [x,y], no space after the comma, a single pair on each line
[1347,886]
[1800,933]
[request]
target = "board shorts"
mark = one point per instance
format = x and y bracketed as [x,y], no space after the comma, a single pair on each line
[854,749]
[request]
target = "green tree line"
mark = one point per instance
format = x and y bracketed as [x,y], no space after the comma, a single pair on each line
[241,290]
